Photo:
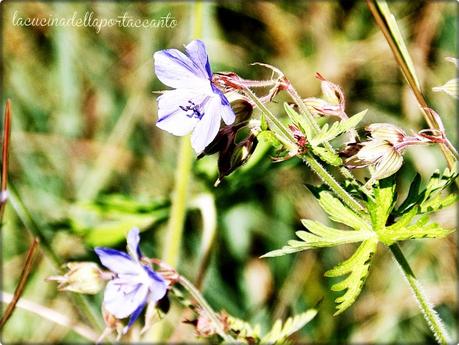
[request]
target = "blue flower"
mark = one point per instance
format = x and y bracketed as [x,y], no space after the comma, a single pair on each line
[196,104]
[134,284]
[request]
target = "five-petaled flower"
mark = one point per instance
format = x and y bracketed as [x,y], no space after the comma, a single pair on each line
[134,284]
[196,104]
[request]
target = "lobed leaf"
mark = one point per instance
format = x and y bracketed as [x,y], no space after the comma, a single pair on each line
[321,236]
[340,213]
[432,230]
[357,266]
[327,134]
[280,331]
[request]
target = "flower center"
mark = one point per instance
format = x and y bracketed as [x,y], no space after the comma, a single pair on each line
[192,110]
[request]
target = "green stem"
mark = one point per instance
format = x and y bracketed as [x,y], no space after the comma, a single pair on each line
[432,318]
[206,307]
[332,183]
[179,203]
[270,116]
[174,234]
[316,129]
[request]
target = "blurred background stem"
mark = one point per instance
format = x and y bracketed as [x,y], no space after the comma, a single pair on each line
[174,234]
[388,26]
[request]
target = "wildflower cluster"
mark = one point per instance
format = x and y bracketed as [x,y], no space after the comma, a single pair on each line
[216,108]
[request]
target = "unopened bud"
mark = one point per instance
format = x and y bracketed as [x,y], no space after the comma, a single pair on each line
[82,277]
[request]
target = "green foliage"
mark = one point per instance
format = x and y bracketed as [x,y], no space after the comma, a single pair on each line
[381,206]
[382,225]
[280,331]
[327,155]
[357,266]
[106,221]
[430,198]
[298,120]
[327,133]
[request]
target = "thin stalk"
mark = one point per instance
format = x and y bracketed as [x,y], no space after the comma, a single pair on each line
[387,25]
[80,301]
[5,151]
[206,307]
[22,282]
[432,318]
[51,315]
[176,224]
[179,203]
[332,183]
[270,116]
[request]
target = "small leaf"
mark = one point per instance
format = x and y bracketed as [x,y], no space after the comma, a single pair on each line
[418,230]
[438,202]
[280,331]
[357,266]
[338,128]
[321,236]
[327,156]
[340,213]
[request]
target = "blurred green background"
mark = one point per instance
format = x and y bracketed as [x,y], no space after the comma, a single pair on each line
[88,163]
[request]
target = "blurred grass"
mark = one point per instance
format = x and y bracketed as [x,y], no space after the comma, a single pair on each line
[83,129]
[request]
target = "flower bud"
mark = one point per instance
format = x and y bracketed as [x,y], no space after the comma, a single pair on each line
[82,277]
[332,92]
[235,156]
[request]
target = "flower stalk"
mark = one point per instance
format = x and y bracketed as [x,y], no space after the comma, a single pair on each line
[206,307]
[432,318]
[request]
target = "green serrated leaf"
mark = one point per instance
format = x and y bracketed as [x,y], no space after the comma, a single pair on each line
[418,230]
[340,213]
[327,155]
[321,236]
[357,266]
[280,331]
[383,203]
[438,202]
[339,127]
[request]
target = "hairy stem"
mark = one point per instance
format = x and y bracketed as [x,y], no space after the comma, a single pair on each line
[315,129]
[332,183]
[270,116]
[432,318]
[206,307]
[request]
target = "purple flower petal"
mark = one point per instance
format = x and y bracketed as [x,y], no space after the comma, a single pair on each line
[121,302]
[206,129]
[176,70]
[172,116]
[196,50]
[134,316]
[116,261]
[158,287]
[133,240]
